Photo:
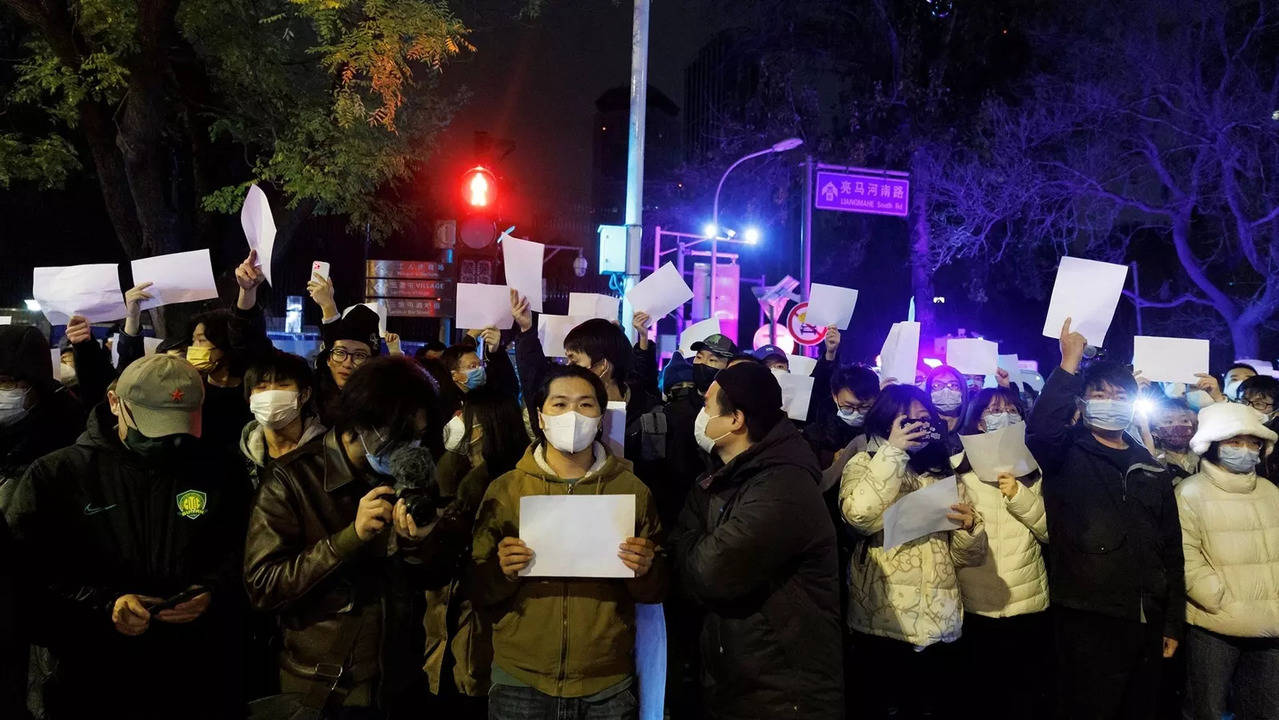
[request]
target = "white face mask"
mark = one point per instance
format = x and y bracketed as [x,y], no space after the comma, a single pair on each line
[12,405]
[1231,390]
[705,441]
[1001,420]
[455,435]
[947,400]
[570,432]
[275,408]
[1198,399]
[852,418]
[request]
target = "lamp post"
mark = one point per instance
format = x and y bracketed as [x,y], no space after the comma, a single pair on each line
[783,146]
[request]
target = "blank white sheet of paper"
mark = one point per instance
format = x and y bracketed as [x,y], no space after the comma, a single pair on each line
[593,305]
[576,535]
[176,278]
[797,391]
[899,356]
[660,293]
[259,228]
[802,364]
[615,427]
[921,512]
[830,305]
[1003,450]
[1087,292]
[523,262]
[697,332]
[972,356]
[551,331]
[1167,359]
[483,306]
[89,290]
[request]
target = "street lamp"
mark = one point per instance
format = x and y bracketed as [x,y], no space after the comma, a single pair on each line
[782,146]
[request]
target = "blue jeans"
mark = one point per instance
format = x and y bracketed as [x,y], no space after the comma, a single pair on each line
[524,703]
[1225,672]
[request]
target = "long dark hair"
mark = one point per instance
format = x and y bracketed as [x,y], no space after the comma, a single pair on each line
[896,400]
[977,408]
[498,416]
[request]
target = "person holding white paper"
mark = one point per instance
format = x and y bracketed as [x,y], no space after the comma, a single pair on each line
[904,604]
[1005,596]
[564,642]
[469,372]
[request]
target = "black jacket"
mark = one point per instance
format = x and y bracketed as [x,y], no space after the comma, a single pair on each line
[756,547]
[94,521]
[1116,536]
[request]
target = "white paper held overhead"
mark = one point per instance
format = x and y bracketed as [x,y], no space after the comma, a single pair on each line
[89,290]
[972,356]
[552,329]
[1166,359]
[483,306]
[176,278]
[1087,292]
[576,535]
[801,365]
[523,262]
[921,512]
[615,428]
[899,357]
[593,305]
[259,228]
[660,293]
[697,332]
[830,305]
[797,391]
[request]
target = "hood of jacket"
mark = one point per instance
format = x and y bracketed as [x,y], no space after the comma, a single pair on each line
[604,467]
[253,438]
[782,448]
[1231,482]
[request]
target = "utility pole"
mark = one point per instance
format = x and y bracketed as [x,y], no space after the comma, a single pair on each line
[806,232]
[635,155]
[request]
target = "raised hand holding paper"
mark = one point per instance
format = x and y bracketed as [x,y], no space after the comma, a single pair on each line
[259,228]
[660,293]
[1165,359]
[177,278]
[598,524]
[1003,450]
[1087,292]
[523,262]
[592,305]
[830,305]
[551,331]
[697,332]
[921,512]
[379,307]
[89,290]
[900,355]
[483,306]
[972,356]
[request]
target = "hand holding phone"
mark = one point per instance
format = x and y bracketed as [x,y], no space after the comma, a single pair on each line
[171,602]
[321,268]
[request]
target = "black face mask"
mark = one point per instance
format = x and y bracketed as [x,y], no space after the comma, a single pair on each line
[160,448]
[703,376]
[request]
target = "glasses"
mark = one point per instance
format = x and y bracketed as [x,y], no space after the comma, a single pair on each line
[1262,405]
[340,356]
[949,386]
[863,408]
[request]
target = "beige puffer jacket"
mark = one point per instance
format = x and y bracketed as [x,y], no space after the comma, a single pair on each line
[1012,579]
[910,592]
[1230,537]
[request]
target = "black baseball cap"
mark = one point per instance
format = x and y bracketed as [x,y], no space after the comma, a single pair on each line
[752,389]
[717,344]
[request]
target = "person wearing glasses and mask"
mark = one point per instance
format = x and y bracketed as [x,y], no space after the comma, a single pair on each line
[350,341]
[948,390]
[340,558]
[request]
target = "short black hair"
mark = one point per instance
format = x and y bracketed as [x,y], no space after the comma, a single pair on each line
[944,370]
[746,357]
[860,379]
[895,400]
[758,424]
[600,339]
[385,394]
[1260,385]
[1100,374]
[452,357]
[275,366]
[558,372]
[977,407]
[1238,365]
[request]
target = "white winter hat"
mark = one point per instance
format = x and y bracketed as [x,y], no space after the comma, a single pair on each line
[1222,421]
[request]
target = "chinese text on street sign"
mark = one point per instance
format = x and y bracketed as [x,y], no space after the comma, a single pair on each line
[862,193]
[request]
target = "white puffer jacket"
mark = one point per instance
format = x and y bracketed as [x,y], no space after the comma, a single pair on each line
[1012,579]
[1230,536]
[910,592]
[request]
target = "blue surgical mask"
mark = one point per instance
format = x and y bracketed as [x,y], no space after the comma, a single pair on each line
[852,418]
[1108,414]
[1001,420]
[380,461]
[1198,400]
[1238,459]
[475,377]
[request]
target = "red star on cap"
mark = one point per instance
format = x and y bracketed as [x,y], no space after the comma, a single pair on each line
[176,396]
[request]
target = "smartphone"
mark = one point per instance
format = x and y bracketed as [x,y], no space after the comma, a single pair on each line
[321,268]
[172,602]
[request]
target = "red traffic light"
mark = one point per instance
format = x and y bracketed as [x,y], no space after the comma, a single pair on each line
[479,188]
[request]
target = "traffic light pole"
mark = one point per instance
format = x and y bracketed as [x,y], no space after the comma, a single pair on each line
[635,154]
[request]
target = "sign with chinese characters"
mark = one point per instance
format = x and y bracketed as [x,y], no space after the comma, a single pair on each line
[862,193]
[411,288]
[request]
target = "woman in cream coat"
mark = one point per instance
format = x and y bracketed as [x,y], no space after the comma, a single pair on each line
[1230,536]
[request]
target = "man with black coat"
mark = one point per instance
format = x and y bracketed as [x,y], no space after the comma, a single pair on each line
[1117,581]
[755,546]
[137,512]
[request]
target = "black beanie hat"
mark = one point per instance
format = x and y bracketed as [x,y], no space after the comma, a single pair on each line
[751,388]
[24,354]
[360,324]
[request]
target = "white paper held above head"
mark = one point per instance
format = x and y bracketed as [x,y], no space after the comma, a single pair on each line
[921,512]
[593,305]
[523,262]
[259,228]
[830,305]
[615,428]
[551,331]
[1003,450]
[176,278]
[89,290]
[797,392]
[599,524]
[1167,359]
[697,332]
[899,357]
[379,307]
[1087,292]
[660,293]
[801,365]
[972,356]
[483,306]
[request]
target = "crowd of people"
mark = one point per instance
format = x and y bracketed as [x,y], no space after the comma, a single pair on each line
[224,530]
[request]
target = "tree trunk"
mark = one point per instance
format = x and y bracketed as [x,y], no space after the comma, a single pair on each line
[921,246]
[1246,336]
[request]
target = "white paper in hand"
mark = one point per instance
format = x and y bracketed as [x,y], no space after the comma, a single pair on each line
[89,290]
[921,513]
[1003,450]
[972,356]
[615,428]
[830,305]
[523,262]
[697,332]
[551,331]
[593,305]
[379,307]
[177,278]
[1166,359]
[660,293]
[1087,292]
[797,391]
[801,365]
[259,227]
[576,535]
[483,306]
[899,357]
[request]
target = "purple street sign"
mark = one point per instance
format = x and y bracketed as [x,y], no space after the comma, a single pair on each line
[862,193]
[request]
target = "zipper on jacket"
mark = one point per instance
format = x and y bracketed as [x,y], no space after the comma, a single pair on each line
[563,639]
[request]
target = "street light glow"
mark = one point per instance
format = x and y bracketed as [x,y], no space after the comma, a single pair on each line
[709,230]
[787,144]
[751,236]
